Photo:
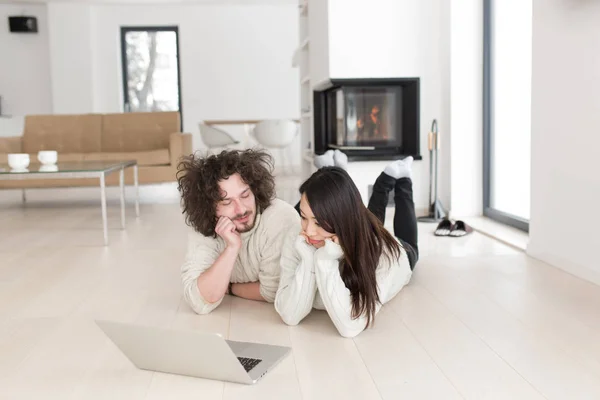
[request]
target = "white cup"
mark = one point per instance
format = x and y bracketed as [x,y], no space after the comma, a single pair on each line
[47,157]
[18,161]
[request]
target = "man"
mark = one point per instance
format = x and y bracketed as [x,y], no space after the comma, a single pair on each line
[239,228]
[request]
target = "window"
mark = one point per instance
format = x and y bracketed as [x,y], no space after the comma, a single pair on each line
[150,61]
[507,111]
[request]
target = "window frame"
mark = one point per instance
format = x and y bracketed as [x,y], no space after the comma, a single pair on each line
[124,73]
[488,134]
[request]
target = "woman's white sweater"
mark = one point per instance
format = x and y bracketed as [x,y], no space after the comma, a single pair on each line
[311,278]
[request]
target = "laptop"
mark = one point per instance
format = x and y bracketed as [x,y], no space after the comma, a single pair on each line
[197,354]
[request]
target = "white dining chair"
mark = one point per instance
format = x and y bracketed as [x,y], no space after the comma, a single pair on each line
[278,135]
[215,138]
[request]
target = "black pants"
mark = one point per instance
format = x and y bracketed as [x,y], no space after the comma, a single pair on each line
[405,219]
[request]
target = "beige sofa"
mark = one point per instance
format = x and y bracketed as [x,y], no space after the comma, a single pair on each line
[153,139]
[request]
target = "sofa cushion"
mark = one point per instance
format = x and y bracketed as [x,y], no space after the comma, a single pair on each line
[65,157]
[63,133]
[138,131]
[143,158]
[11,144]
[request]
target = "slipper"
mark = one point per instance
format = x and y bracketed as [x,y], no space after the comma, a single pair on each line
[444,228]
[460,229]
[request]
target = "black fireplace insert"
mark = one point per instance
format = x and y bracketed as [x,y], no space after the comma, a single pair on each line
[368,119]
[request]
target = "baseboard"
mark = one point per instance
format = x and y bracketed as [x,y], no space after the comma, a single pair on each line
[505,234]
[568,266]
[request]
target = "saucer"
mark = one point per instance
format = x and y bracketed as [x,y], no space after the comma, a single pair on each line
[48,168]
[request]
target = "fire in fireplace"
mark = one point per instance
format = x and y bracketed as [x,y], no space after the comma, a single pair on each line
[368,118]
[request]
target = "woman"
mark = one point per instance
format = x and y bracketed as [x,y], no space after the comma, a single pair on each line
[344,261]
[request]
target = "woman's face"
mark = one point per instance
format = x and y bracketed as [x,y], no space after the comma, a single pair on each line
[314,233]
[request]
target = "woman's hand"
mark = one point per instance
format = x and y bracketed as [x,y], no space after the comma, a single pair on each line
[332,248]
[303,246]
[305,236]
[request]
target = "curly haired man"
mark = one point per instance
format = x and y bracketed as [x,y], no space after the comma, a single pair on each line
[229,201]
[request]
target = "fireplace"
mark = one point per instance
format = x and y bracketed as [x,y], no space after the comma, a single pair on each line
[368,119]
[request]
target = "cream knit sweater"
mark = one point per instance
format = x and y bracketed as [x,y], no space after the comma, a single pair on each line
[311,278]
[257,261]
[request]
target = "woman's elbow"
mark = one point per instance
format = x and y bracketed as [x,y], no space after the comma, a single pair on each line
[287,318]
[290,320]
[349,332]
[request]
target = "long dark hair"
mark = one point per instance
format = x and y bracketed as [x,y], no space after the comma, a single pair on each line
[336,204]
[198,182]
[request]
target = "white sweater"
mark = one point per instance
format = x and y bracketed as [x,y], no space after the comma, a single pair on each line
[311,278]
[257,261]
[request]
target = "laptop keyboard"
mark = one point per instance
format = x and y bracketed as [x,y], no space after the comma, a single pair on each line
[249,363]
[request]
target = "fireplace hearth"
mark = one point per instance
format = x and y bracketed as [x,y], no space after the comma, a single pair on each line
[368,119]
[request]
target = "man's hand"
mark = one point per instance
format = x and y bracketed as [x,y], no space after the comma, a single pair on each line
[226,229]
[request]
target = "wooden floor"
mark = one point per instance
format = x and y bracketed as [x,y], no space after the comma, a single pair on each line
[480,320]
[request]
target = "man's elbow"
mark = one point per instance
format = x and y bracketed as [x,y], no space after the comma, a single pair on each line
[211,298]
[198,303]
[202,307]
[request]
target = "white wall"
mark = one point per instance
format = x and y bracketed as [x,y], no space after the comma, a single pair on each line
[398,38]
[11,126]
[235,59]
[318,31]
[466,83]
[71,58]
[566,136]
[445,116]
[24,63]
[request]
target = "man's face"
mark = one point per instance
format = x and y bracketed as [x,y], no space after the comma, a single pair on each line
[237,203]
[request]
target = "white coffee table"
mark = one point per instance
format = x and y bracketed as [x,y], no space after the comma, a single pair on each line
[82,169]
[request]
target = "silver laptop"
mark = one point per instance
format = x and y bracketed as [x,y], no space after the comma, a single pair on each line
[197,354]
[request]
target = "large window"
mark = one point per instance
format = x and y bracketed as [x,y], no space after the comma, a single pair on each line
[507,111]
[151,79]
